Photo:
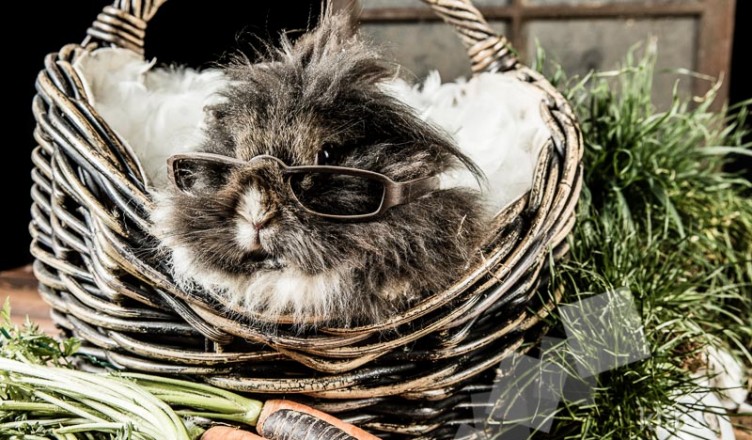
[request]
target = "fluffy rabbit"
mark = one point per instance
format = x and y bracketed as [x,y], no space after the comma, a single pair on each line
[252,232]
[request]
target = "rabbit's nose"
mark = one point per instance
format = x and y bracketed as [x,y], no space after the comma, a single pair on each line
[257,220]
[260,223]
[256,213]
[248,236]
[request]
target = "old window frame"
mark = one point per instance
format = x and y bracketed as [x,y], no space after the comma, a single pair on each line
[715,20]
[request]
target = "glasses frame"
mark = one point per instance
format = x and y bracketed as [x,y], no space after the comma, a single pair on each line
[395,193]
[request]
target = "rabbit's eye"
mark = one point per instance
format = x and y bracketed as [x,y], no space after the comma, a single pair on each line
[200,176]
[328,155]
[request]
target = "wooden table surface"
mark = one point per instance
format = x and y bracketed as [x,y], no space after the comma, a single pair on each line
[20,286]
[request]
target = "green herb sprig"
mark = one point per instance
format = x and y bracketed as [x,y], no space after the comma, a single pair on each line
[43,396]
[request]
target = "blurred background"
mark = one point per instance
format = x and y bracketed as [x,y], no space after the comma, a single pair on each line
[705,36]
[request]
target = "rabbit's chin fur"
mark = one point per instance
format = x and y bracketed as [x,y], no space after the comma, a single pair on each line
[269,295]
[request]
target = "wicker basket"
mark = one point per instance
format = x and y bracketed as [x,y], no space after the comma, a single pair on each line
[409,376]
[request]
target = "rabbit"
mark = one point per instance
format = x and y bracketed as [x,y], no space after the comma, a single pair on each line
[239,230]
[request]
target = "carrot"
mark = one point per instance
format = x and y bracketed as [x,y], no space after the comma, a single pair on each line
[283,420]
[226,433]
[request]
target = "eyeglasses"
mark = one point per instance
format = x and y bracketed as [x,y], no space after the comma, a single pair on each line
[334,192]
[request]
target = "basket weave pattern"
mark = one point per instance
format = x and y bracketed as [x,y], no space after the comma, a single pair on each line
[408,376]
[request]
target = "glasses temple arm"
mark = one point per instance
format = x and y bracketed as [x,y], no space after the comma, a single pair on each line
[409,191]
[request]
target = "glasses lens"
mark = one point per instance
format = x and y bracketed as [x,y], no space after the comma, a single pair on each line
[337,194]
[196,175]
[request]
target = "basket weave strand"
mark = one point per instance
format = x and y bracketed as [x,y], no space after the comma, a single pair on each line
[409,376]
[488,51]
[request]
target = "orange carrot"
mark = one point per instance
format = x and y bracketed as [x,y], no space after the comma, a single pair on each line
[226,433]
[283,419]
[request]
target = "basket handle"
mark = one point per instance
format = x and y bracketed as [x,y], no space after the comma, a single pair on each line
[488,51]
[124,25]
